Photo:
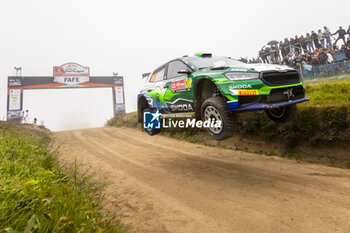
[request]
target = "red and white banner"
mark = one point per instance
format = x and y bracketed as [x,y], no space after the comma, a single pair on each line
[71,74]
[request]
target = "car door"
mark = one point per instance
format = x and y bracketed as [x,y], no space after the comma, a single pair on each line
[154,90]
[179,92]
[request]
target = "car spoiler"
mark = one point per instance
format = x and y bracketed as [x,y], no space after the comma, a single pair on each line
[145,75]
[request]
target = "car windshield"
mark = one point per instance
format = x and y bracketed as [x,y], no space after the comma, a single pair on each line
[207,62]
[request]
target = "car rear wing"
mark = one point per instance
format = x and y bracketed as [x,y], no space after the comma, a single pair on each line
[145,75]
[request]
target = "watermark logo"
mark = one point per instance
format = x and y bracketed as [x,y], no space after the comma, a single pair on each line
[151,120]
[191,123]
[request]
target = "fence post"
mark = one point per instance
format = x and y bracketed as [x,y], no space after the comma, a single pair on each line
[301,73]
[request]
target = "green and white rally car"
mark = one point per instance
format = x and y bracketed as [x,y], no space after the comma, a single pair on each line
[211,87]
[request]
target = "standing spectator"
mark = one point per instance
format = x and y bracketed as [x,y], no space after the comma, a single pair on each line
[341,35]
[330,57]
[347,52]
[310,44]
[303,43]
[291,62]
[343,48]
[328,34]
[297,45]
[263,56]
[314,37]
[321,37]
[277,53]
[267,54]
[283,52]
[308,57]
[272,54]
[299,60]
[285,60]
[348,42]
[292,45]
[322,57]
[335,48]
[348,31]
[314,60]
[286,46]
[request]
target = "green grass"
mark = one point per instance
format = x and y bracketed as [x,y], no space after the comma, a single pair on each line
[36,196]
[328,94]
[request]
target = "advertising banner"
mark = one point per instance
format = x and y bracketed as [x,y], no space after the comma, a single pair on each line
[119,97]
[71,74]
[15,82]
[15,99]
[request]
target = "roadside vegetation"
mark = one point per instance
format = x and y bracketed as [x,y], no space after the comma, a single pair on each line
[37,196]
[328,94]
[322,121]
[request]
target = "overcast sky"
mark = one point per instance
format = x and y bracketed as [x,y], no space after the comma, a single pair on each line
[133,37]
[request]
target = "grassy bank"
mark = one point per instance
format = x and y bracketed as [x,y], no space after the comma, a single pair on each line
[328,94]
[36,196]
[322,121]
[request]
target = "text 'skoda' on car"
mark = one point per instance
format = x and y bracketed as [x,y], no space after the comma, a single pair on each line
[210,87]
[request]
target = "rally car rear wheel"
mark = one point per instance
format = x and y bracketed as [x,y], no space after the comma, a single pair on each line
[150,132]
[282,114]
[215,109]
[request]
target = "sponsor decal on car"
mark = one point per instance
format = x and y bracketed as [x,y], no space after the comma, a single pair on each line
[242,86]
[180,105]
[181,85]
[149,100]
[245,92]
[289,93]
[248,92]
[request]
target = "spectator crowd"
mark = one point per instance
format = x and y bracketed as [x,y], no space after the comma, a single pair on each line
[312,49]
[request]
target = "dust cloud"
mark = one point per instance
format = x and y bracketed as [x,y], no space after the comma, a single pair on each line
[67,109]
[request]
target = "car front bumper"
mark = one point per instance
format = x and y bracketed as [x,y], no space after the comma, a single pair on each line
[233,105]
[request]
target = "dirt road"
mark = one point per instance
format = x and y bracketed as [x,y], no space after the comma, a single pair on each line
[158,184]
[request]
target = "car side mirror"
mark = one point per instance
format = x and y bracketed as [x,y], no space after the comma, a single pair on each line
[184,72]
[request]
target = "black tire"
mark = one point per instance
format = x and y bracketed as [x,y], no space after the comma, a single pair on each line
[283,114]
[150,132]
[218,107]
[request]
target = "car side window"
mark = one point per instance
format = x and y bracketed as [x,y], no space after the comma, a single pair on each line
[174,67]
[158,75]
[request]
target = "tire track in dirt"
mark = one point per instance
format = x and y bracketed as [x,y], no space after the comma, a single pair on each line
[275,191]
[158,184]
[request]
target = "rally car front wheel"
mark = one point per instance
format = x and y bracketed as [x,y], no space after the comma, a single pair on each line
[150,132]
[215,109]
[282,114]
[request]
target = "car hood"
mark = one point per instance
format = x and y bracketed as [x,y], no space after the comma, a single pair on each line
[248,68]
[264,67]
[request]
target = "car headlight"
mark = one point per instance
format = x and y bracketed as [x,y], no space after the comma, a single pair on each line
[235,76]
